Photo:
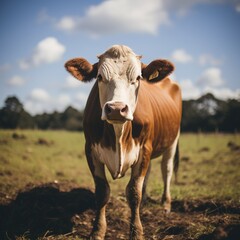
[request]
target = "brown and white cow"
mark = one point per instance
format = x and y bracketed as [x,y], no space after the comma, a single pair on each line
[132,115]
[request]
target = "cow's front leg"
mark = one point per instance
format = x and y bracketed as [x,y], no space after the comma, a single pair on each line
[102,193]
[134,197]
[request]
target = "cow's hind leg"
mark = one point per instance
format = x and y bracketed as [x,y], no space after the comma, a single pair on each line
[167,170]
[144,189]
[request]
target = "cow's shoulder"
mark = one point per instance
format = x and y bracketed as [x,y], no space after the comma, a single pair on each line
[171,87]
[173,90]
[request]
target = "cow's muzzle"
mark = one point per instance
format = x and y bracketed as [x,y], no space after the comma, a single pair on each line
[116,112]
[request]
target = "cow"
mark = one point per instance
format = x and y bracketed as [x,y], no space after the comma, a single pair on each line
[132,115]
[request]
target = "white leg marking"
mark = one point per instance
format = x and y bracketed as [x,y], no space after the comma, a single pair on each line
[167,170]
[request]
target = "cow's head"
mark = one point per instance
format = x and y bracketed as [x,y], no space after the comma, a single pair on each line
[119,73]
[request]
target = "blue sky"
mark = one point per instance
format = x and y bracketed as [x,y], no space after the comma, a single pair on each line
[201,37]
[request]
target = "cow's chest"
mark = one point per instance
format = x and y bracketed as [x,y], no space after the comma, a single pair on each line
[117,160]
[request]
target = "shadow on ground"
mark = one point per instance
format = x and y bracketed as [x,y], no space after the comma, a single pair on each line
[58,211]
[44,209]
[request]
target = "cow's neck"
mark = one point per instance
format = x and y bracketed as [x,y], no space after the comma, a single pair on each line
[118,129]
[123,136]
[125,151]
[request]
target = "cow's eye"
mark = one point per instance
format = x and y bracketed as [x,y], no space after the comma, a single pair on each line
[99,77]
[138,78]
[133,82]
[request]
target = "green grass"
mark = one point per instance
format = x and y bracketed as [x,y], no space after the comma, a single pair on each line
[213,173]
[24,161]
[208,168]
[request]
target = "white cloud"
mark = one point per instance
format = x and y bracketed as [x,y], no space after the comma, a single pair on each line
[80,100]
[183,6]
[63,100]
[44,17]
[211,77]
[48,50]
[67,23]
[16,81]
[39,101]
[34,107]
[223,93]
[237,7]
[72,82]
[124,16]
[39,94]
[81,97]
[207,59]
[189,90]
[24,64]
[119,16]
[181,56]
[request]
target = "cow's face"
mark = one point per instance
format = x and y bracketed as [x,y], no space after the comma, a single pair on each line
[118,82]
[118,73]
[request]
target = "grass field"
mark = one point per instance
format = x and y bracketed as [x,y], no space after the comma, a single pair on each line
[46,189]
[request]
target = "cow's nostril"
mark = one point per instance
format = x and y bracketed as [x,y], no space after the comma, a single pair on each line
[108,109]
[123,110]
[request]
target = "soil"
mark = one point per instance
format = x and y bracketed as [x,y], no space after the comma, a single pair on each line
[65,211]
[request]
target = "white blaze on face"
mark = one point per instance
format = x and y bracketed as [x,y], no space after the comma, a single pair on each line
[118,81]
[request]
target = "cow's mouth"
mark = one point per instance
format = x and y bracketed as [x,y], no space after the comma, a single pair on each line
[117,121]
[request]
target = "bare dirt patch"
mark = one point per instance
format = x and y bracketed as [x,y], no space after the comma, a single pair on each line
[64,211]
[43,141]
[18,136]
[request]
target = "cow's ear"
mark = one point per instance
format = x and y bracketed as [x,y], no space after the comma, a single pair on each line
[157,70]
[81,69]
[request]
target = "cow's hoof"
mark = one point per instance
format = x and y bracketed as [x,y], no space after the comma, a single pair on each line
[93,237]
[136,238]
[166,203]
[97,236]
[166,211]
[167,208]
[136,234]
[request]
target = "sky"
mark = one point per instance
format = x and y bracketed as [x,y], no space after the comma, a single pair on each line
[201,38]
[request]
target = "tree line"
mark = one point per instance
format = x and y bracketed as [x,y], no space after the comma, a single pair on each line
[205,114]
[13,115]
